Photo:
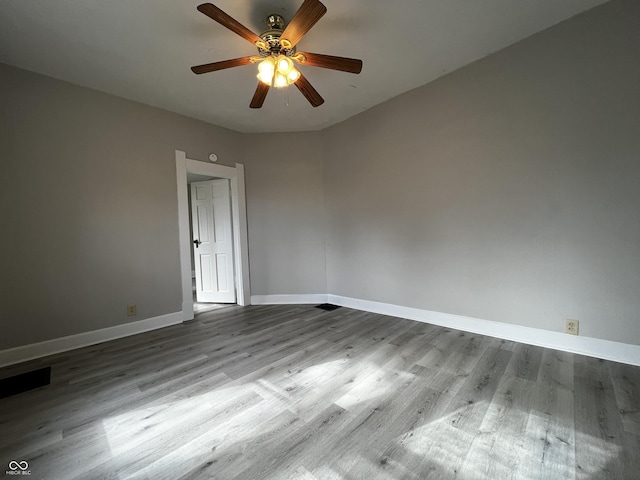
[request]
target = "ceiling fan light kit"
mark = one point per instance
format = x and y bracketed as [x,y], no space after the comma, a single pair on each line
[277,71]
[277,52]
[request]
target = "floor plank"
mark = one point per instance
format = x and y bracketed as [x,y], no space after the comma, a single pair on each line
[294,392]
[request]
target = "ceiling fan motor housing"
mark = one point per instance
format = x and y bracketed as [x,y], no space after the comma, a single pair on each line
[271,36]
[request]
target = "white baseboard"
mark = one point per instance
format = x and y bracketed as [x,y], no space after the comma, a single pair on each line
[288,299]
[592,347]
[49,347]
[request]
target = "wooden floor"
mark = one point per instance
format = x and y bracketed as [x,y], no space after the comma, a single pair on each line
[294,392]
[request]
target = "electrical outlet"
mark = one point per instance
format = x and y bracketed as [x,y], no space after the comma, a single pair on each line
[132,310]
[571,326]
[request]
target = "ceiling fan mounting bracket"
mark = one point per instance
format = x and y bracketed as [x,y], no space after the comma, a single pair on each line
[275,22]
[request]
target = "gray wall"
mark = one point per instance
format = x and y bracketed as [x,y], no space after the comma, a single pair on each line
[508,190]
[285,205]
[89,209]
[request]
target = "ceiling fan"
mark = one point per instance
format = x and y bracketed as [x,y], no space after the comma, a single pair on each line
[277,52]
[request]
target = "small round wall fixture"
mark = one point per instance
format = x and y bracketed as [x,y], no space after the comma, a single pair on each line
[213,157]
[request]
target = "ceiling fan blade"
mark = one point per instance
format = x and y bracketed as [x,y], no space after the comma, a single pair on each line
[214,67]
[308,91]
[306,17]
[225,20]
[260,95]
[351,65]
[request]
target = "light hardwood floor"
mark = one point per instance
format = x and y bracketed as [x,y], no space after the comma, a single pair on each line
[294,392]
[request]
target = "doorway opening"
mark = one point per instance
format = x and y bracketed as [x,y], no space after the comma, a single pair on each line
[188,171]
[212,255]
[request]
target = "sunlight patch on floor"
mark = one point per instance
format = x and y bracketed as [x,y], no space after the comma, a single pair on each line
[600,458]
[373,386]
[478,441]
[501,453]
[130,429]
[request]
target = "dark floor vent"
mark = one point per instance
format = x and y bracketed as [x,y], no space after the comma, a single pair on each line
[25,382]
[327,306]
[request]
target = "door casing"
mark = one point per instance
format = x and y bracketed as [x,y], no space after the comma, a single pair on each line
[238,217]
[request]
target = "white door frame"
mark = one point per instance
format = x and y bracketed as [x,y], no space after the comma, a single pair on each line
[235,174]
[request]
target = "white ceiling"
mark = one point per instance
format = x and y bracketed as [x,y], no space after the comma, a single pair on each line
[142,50]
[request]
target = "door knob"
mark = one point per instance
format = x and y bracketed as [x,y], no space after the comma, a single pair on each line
[197,242]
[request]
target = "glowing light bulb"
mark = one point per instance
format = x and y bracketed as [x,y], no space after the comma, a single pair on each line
[284,64]
[267,65]
[265,78]
[293,76]
[265,70]
[280,80]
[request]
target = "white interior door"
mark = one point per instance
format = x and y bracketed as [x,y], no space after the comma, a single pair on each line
[213,241]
